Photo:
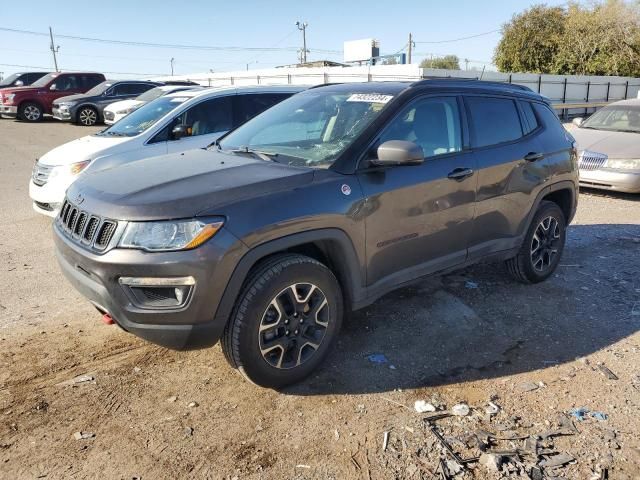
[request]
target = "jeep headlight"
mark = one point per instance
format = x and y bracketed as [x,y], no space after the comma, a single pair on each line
[169,235]
[623,163]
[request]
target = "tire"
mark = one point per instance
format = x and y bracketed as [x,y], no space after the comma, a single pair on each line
[87,116]
[267,338]
[30,112]
[542,247]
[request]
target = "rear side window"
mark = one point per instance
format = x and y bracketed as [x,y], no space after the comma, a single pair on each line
[90,81]
[553,128]
[530,117]
[493,120]
[248,106]
[210,116]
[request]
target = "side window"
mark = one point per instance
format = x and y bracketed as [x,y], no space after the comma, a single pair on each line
[432,123]
[90,81]
[210,116]
[493,120]
[553,127]
[138,88]
[249,105]
[121,89]
[66,82]
[530,116]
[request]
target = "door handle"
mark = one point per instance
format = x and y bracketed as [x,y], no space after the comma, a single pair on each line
[460,174]
[533,156]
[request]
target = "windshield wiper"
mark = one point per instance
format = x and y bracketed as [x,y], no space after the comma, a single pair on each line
[266,156]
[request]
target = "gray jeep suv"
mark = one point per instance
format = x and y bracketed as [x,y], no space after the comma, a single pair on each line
[318,207]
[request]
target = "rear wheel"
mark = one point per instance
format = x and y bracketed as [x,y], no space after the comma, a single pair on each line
[87,116]
[285,321]
[30,112]
[543,245]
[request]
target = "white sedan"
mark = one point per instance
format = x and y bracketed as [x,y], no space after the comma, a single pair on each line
[118,110]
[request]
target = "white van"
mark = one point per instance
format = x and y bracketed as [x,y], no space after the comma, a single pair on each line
[170,124]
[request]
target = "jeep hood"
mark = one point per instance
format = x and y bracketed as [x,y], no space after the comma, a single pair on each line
[612,144]
[181,185]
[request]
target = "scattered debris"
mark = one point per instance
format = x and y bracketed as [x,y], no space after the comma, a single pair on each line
[601,416]
[581,413]
[336,434]
[492,409]
[460,410]
[385,441]
[491,461]
[77,380]
[557,460]
[137,369]
[422,407]
[606,372]
[303,466]
[528,387]
[83,435]
[378,358]
[172,399]
[193,404]
[188,431]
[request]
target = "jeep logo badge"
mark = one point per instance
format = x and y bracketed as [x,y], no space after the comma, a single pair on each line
[79,199]
[346,189]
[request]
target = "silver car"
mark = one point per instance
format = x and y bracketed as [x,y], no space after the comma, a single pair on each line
[609,147]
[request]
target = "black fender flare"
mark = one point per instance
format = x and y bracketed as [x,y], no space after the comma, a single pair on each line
[343,256]
[554,187]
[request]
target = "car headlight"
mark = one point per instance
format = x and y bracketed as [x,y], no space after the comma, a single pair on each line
[125,111]
[9,98]
[76,168]
[66,105]
[623,163]
[170,235]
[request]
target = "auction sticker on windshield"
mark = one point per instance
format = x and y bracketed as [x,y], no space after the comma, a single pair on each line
[369,98]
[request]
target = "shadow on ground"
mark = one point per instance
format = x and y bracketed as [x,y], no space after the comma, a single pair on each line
[443,330]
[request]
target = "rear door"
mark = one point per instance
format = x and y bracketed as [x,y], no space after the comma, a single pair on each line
[208,120]
[511,170]
[420,217]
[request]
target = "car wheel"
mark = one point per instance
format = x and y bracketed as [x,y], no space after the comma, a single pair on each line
[285,321]
[543,245]
[87,116]
[30,112]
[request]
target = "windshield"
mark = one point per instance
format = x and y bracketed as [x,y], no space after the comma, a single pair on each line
[152,94]
[310,129]
[9,80]
[144,117]
[44,81]
[99,89]
[622,118]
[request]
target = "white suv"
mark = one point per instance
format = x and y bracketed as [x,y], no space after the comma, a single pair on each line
[170,124]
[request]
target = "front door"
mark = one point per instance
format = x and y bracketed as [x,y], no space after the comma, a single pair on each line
[419,217]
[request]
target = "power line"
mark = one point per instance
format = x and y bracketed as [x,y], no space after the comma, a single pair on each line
[464,38]
[40,67]
[231,48]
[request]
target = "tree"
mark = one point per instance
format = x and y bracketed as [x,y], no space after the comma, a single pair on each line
[448,62]
[530,42]
[600,39]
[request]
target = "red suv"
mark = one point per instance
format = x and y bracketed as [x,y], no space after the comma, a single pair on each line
[33,102]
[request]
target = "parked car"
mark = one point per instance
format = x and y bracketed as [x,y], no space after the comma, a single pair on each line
[33,102]
[170,124]
[87,108]
[21,79]
[609,147]
[118,110]
[316,207]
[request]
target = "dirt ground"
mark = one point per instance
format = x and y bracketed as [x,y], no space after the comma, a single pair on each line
[475,336]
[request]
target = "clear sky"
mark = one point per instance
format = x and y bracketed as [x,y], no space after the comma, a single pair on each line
[244,24]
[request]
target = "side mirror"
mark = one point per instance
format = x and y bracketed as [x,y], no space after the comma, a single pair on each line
[53,87]
[398,152]
[578,121]
[180,131]
[19,83]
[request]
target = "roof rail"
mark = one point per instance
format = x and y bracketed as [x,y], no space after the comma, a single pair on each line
[488,83]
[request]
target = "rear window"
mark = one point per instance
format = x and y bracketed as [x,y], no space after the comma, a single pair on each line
[530,117]
[493,120]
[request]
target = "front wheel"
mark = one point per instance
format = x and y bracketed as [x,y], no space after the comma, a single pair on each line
[87,116]
[542,247]
[285,321]
[30,112]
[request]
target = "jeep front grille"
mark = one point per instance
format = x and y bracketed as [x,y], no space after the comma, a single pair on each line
[40,174]
[85,228]
[591,160]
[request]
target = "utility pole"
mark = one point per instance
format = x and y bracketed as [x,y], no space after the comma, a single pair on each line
[410,47]
[54,50]
[466,64]
[171,61]
[302,26]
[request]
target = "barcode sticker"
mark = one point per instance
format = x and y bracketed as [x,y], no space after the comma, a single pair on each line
[369,98]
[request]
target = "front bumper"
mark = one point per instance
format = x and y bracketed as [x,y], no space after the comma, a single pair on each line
[98,277]
[9,111]
[60,114]
[615,180]
[47,199]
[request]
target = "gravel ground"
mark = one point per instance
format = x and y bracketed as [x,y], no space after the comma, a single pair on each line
[536,352]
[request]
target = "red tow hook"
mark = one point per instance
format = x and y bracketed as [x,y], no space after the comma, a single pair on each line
[106,318]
